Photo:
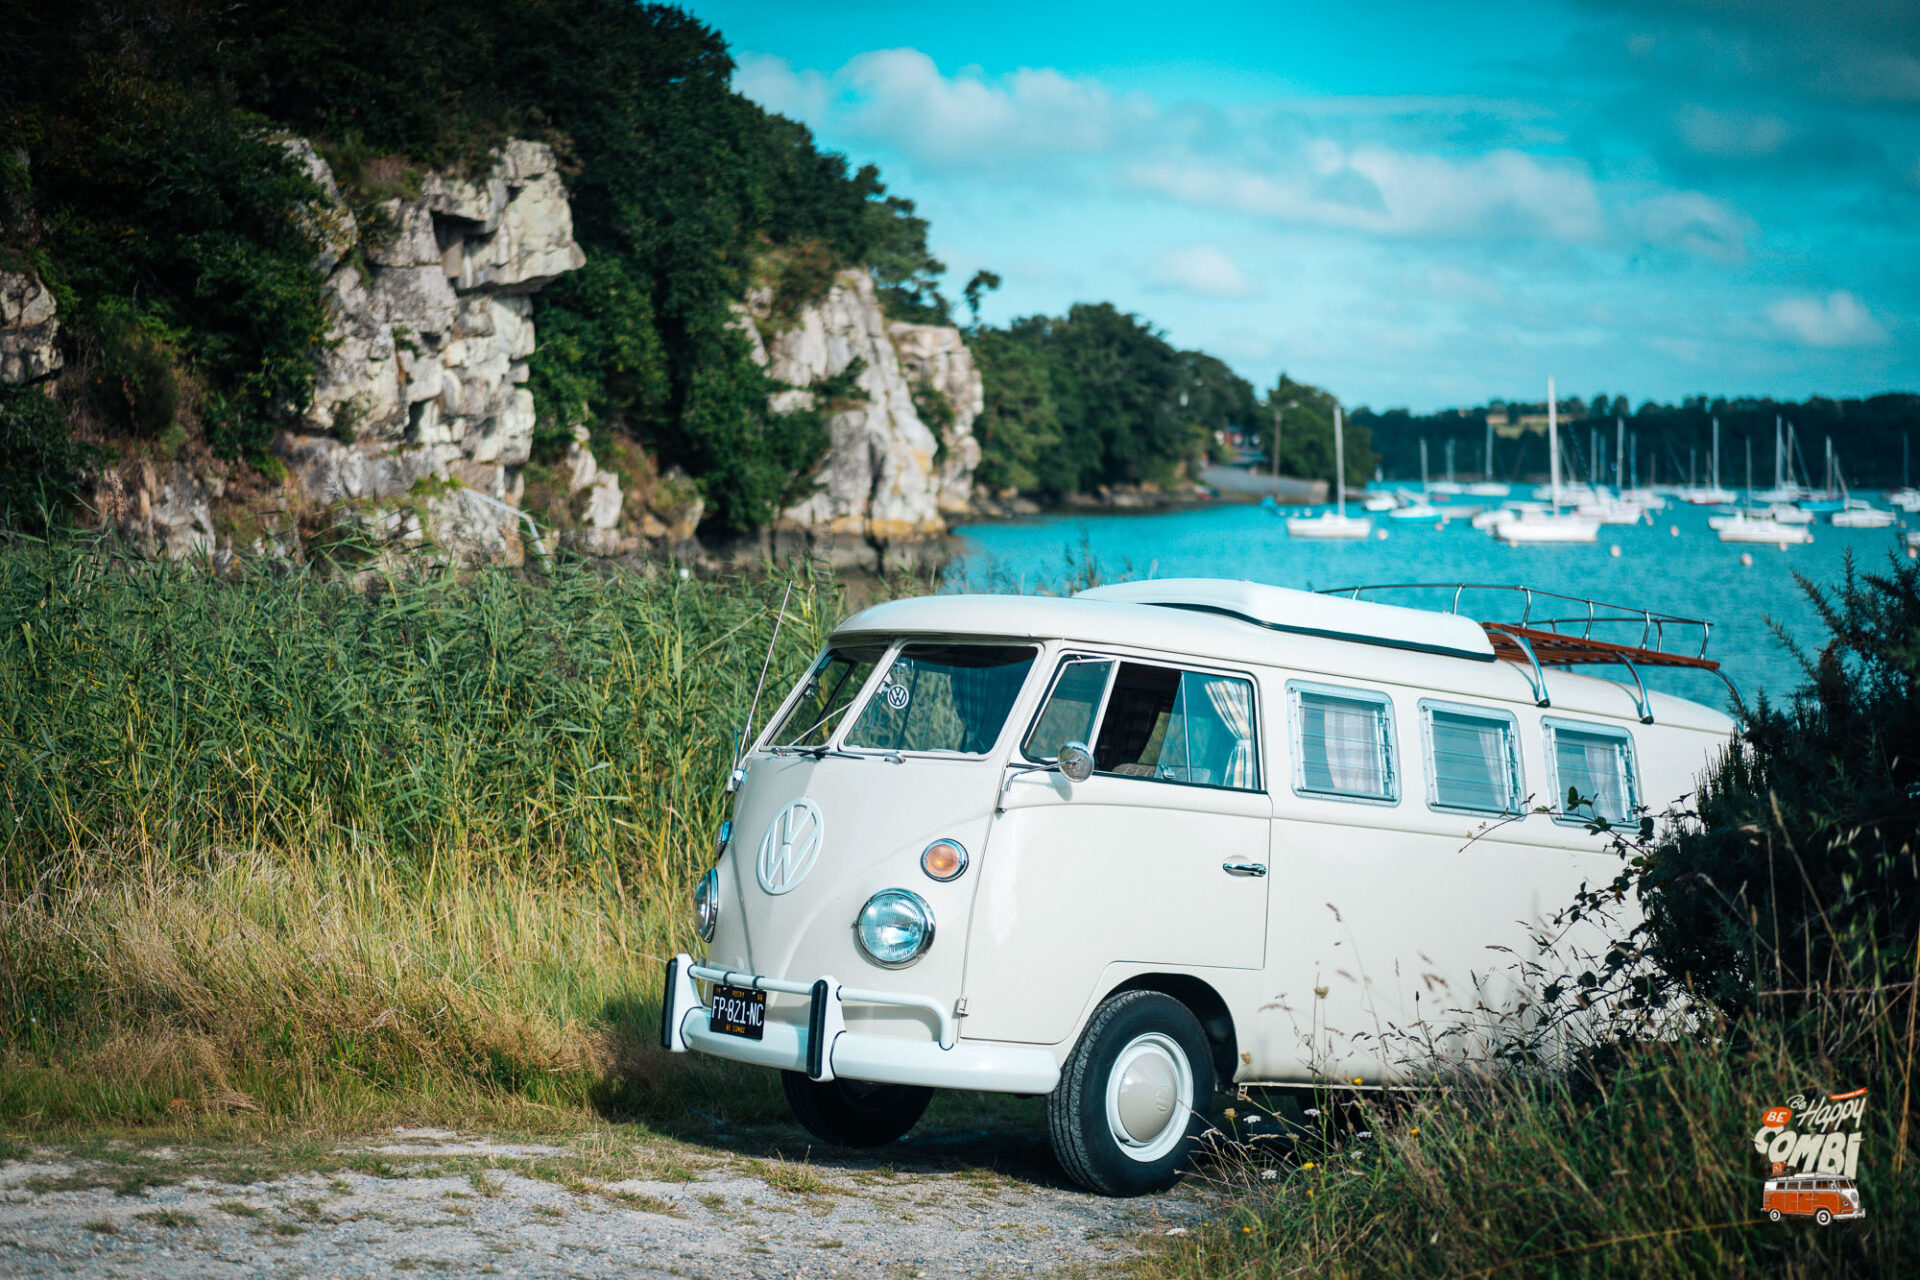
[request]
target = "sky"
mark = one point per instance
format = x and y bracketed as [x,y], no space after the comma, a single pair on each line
[1411,204]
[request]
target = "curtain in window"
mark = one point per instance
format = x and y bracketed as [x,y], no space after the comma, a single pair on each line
[1232,701]
[1471,762]
[1344,743]
[1596,767]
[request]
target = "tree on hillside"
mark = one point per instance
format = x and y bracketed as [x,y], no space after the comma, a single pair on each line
[1305,423]
[1126,405]
[165,217]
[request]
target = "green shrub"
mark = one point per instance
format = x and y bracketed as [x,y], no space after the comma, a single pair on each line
[39,459]
[1795,877]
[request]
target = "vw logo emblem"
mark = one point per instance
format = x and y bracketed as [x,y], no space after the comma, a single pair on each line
[792,842]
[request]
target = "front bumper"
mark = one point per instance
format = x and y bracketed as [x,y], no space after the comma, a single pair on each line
[825,1049]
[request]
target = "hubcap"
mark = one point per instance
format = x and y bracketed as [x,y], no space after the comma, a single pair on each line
[1149,1097]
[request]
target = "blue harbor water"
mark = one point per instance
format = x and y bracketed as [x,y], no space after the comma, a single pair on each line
[1692,574]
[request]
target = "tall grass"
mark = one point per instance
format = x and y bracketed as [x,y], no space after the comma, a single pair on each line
[1643,1168]
[291,841]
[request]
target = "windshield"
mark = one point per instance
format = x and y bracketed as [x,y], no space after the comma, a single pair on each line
[825,694]
[943,698]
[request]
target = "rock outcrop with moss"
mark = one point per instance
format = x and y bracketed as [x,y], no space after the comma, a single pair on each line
[891,477]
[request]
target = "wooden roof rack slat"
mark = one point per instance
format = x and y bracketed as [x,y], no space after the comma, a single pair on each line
[1557,630]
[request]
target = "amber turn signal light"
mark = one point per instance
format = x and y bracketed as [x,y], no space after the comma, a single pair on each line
[944,860]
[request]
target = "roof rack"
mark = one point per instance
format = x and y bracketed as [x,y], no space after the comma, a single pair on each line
[1556,630]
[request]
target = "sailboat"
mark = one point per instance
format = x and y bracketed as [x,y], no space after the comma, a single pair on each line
[1548,526]
[1489,487]
[1713,495]
[1856,513]
[1420,508]
[1335,523]
[1751,525]
[1906,498]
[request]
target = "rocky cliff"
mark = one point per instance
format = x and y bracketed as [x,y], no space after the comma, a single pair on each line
[421,427]
[890,477]
[431,330]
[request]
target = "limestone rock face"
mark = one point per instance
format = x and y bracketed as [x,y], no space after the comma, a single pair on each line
[29,330]
[935,357]
[887,478]
[424,376]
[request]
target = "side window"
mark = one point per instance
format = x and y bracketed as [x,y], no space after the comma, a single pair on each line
[1473,759]
[1072,708]
[1160,723]
[1343,743]
[1596,761]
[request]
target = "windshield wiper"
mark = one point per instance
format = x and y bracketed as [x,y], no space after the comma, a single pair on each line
[818,753]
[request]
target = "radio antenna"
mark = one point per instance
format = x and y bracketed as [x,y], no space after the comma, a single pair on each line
[746,735]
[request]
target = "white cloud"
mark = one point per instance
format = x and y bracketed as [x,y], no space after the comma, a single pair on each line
[1837,320]
[1205,270]
[899,97]
[775,85]
[1732,135]
[1389,192]
[1695,223]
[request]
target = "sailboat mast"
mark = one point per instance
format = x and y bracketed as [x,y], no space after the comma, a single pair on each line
[1778,479]
[1619,449]
[1340,462]
[1716,453]
[1553,444]
[1489,446]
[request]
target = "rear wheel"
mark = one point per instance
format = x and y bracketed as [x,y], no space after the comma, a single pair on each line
[854,1113]
[1132,1096]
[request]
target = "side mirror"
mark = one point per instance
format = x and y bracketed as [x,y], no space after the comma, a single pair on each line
[1076,762]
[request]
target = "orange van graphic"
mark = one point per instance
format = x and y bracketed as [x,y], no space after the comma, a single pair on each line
[1812,1195]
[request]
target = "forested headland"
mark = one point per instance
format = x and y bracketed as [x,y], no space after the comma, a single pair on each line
[150,189]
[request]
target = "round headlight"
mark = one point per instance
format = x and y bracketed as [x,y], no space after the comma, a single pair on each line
[706,904]
[944,859]
[895,927]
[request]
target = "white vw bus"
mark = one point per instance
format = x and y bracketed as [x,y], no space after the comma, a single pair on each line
[1156,840]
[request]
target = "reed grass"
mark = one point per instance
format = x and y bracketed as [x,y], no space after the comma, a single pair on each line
[1636,1161]
[286,845]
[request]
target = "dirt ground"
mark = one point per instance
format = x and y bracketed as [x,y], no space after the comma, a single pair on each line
[611,1202]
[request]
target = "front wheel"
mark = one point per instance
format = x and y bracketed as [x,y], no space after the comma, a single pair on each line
[854,1113]
[1823,1218]
[1773,1215]
[1131,1098]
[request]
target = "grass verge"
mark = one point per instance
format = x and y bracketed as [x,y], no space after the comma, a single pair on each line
[1645,1169]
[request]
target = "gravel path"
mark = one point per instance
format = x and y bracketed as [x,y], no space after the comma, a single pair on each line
[600,1205]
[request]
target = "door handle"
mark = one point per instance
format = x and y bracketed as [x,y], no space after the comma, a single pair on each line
[1254,869]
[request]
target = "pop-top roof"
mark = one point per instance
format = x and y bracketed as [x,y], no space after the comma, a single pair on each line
[1309,613]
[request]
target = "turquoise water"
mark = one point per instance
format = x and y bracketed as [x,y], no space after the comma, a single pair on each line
[1693,574]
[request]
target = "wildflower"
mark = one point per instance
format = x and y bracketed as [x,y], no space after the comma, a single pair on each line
[1228,1113]
[1309,1193]
[1268,1175]
[1179,1231]
[1415,1132]
[1307,1165]
[1356,1080]
[1364,1133]
[1311,1112]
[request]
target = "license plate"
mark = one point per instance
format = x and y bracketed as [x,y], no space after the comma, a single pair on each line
[738,1011]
